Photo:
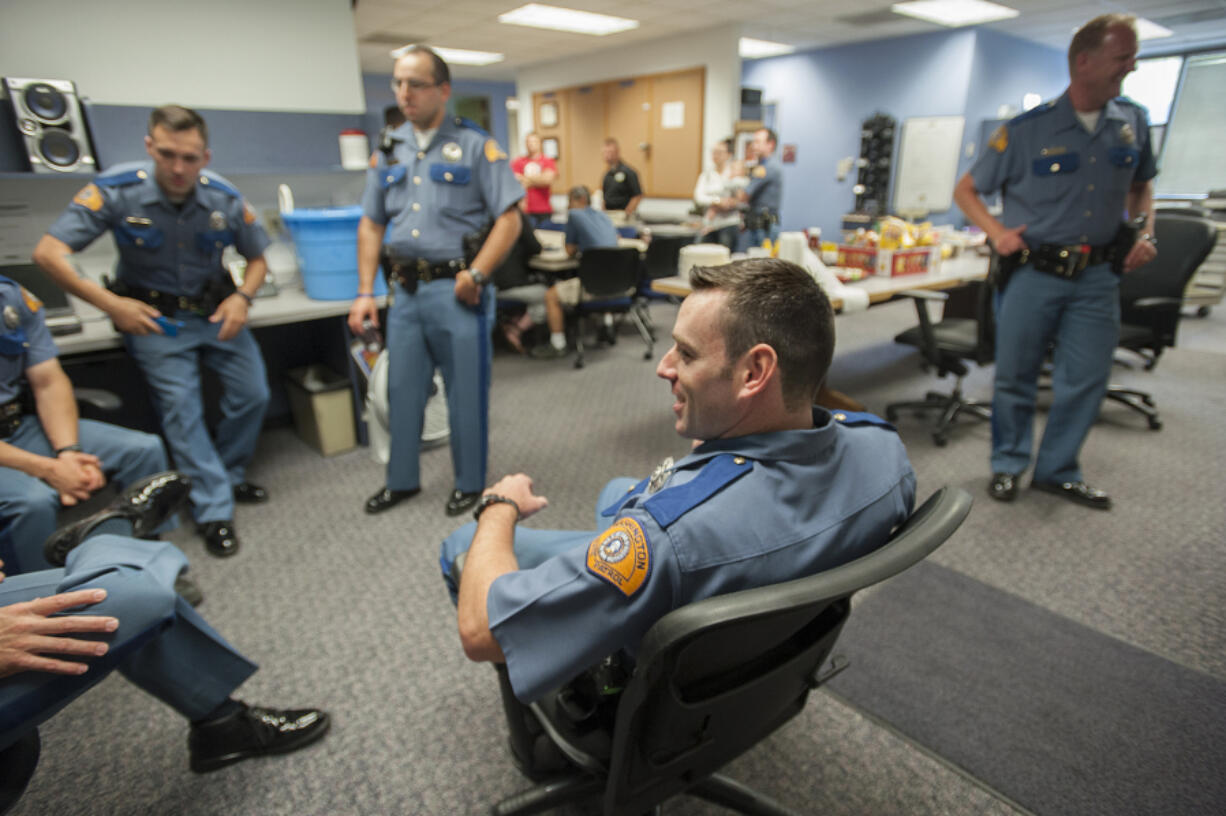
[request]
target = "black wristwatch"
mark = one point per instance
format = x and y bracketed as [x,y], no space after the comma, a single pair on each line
[1145,236]
[490,499]
[479,277]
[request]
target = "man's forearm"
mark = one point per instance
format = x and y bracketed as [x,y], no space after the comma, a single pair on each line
[490,555]
[370,240]
[1140,201]
[253,278]
[498,243]
[968,200]
[57,412]
[54,257]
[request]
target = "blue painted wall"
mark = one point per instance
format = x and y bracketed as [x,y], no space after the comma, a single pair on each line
[823,95]
[379,95]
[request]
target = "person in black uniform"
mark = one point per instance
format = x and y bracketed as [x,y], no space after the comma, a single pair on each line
[620,187]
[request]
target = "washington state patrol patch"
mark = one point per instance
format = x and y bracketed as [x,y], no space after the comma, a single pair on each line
[620,555]
[32,302]
[999,139]
[249,215]
[759,172]
[492,151]
[90,197]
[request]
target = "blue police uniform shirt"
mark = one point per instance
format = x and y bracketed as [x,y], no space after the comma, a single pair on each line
[168,248]
[765,188]
[733,514]
[25,344]
[1067,185]
[430,199]
[588,228]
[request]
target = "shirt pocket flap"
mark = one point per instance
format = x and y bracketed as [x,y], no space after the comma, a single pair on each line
[1123,156]
[1060,165]
[145,236]
[450,174]
[392,175]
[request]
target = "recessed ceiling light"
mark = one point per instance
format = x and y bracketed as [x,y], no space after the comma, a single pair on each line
[750,48]
[536,15]
[954,13]
[456,56]
[1149,30]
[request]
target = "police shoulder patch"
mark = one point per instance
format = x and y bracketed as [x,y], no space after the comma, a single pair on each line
[999,139]
[759,172]
[249,216]
[374,159]
[621,556]
[90,197]
[31,299]
[492,151]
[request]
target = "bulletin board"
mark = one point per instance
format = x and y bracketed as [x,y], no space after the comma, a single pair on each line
[928,163]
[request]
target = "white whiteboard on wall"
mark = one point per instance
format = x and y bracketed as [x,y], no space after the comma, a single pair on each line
[928,163]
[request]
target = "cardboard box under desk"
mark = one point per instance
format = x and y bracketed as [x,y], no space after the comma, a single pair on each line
[888,263]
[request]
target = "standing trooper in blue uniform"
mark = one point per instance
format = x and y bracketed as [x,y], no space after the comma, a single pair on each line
[764,195]
[110,605]
[176,304]
[49,457]
[773,489]
[429,198]
[1071,172]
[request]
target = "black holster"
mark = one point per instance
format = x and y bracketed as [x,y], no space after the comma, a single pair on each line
[473,241]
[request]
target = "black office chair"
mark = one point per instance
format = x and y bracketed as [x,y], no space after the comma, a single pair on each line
[608,278]
[660,261]
[1151,299]
[716,677]
[945,346]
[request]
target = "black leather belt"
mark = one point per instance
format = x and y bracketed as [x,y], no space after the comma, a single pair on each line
[760,220]
[1066,261]
[168,303]
[408,272]
[11,413]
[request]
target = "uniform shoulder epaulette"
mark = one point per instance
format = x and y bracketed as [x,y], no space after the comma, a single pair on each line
[121,176]
[215,182]
[471,125]
[1037,110]
[1129,102]
[672,503]
[860,418]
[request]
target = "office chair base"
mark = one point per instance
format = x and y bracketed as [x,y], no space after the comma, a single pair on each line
[950,406]
[1138,401]
[549,795]
[726,792]
[637,319]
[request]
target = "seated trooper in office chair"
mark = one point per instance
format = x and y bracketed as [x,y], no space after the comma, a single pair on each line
[111,605]
[49,458]
[774,489]
[586,228]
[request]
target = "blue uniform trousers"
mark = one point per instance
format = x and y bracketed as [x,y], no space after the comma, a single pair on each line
[161,645]
[755,237]
[171,366]
[431,329]
[534,547]
[28,506]
[1082,318]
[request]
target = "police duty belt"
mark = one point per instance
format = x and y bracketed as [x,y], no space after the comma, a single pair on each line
[1063,261]
[408,272]
[203,304]
[11,413]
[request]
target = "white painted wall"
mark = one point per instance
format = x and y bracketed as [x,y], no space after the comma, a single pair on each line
[714,49]
[267,55]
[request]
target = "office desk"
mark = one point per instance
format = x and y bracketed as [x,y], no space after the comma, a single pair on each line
[951,273]
[555,260]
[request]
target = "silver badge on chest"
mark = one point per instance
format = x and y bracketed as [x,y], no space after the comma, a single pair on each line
[619,177]
[217,220]
[452,152]
[11,318]
[660,475]
[1127,136]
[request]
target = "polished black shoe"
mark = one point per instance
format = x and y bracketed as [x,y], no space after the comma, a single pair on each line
[220,538]
[248,493]
[252,731]
[1079,492]
[145,505]
[1003,487]
[188,588]
[461,502]
[387,498]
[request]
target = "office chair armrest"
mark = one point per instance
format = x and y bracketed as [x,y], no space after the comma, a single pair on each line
[923,294]
[98,398]
[1151,302]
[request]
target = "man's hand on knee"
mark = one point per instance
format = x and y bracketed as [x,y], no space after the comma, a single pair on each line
[32,629]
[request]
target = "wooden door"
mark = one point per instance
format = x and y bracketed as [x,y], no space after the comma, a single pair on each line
[585,111]
[628,120]
[676,133]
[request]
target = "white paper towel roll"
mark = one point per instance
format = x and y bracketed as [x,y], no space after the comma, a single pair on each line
[794,247]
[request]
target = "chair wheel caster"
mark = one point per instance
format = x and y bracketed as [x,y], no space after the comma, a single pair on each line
[1203,311]
[939,440]
[647,355]
[578,364]
[1155,424]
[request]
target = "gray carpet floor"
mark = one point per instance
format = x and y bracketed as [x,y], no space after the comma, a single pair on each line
[347,611]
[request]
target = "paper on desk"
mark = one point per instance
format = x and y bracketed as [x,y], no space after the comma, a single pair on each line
[794,247]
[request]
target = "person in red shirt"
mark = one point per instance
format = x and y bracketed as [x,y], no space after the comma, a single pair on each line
[536,172]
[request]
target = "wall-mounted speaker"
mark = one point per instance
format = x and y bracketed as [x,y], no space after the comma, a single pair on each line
[52,125]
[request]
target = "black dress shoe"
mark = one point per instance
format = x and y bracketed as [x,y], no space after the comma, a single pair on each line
[1003,487]
[220,538]
[248,493]
[1079,492]
[386,498]
[145,505]
[250,732]
[461,502]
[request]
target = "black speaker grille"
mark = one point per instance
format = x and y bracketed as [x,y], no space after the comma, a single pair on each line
[45,102]
[58,148]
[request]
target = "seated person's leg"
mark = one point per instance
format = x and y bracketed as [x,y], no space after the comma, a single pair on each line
[29,507]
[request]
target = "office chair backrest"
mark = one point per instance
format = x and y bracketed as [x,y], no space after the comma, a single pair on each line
[1183,244]
[663,253]
[608,271]
[716,677]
